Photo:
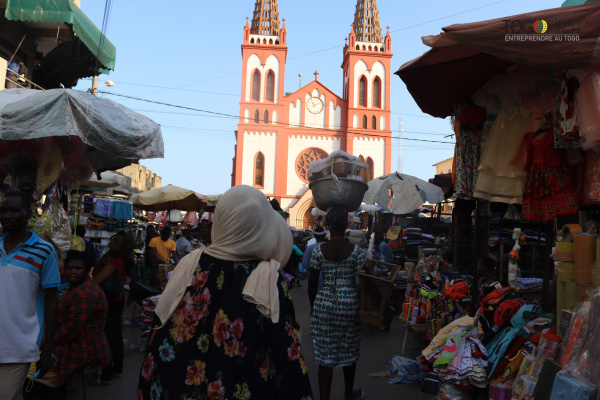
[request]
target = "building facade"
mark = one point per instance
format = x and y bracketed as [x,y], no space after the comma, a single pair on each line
[279,134]
[142,178]
[445,167]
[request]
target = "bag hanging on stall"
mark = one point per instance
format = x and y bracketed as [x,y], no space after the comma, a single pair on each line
[114,286]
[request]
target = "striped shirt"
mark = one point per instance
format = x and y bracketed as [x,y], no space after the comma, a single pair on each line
[25,272]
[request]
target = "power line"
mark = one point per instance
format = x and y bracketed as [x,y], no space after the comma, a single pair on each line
[190,132]
[175,88]
[278,123]
[448,16]
[332,48]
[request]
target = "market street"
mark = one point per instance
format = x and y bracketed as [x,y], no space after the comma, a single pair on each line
[376,348]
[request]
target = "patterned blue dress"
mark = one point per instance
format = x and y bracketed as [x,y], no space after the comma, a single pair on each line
[336,337]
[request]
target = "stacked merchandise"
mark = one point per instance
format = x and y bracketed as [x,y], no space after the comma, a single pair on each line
[104,217]
[580,356]
[505,334]
[415,238]
[501,232]
[425,304]
[529,289]
[575,258]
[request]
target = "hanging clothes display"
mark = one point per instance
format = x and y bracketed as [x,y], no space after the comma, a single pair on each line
[591,187]
[519,93]
[102,208]
[566,128]
[470,121]
[587,104]
[496,179]
[122,210]
[550,188]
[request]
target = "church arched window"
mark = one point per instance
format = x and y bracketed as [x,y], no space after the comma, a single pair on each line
[270,95]
[364,124]
[362,91]
[374,122]
[370,176]
[256,117]
[259,170]
[266,117]
[256,85]
[377,92]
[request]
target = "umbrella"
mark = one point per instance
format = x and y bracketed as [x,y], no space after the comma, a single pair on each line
[168,198]
[408,193]
[69,133]
[211,202]
[370,208]
[467,56]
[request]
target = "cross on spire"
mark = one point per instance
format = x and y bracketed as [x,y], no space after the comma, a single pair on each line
[316,73]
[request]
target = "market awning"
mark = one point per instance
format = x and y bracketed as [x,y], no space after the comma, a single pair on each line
[65,11]
[467,56]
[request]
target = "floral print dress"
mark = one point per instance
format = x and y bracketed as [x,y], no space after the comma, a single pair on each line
[219,346]
[336,337]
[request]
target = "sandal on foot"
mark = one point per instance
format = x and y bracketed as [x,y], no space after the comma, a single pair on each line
[359,394]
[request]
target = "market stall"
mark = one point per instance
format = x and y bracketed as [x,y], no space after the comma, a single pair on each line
[52,141]
[525,108]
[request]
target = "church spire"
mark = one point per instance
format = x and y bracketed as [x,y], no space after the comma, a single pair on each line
[265,20]
[366,22]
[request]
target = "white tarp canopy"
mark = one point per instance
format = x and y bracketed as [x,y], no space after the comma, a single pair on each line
[408,193]
[103,133]
[108,179]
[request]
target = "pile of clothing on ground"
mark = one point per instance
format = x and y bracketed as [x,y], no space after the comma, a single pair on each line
[512,350]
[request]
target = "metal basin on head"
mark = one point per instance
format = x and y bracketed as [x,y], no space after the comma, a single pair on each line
[347,193]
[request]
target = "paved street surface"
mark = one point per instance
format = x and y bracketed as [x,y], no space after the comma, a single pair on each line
[376,348]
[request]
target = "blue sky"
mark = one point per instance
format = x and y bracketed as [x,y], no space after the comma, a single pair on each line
[187,53]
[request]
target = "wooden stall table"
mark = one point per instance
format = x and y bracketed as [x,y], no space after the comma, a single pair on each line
[375,303]
[416,328]
[163,273]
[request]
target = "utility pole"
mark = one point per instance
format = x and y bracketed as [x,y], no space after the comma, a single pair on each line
[95,85]
[400,132]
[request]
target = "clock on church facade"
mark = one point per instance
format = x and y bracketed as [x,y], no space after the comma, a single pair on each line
[279,134]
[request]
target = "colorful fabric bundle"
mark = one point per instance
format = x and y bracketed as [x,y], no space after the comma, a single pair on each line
[450,348]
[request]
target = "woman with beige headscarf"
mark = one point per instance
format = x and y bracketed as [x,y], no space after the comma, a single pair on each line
[225,322]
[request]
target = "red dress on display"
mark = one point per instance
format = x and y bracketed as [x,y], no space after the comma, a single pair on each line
[550,189]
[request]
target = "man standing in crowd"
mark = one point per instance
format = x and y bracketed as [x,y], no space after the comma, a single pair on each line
[384,248]
[320,237]
[160,249]
[184,247]
[150,234]
[29,279]
[90,251]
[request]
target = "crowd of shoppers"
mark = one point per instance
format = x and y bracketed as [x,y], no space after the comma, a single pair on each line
[225,324]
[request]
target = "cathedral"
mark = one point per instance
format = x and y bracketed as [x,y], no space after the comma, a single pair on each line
[279,134]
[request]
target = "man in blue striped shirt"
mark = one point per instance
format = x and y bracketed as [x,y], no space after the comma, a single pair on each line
[29,278]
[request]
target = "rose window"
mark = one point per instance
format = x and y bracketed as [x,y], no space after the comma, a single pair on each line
[305,158]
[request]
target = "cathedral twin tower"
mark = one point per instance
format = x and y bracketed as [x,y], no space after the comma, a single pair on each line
[280,134]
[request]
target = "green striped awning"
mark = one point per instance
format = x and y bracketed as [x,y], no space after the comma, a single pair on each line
[65,11]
